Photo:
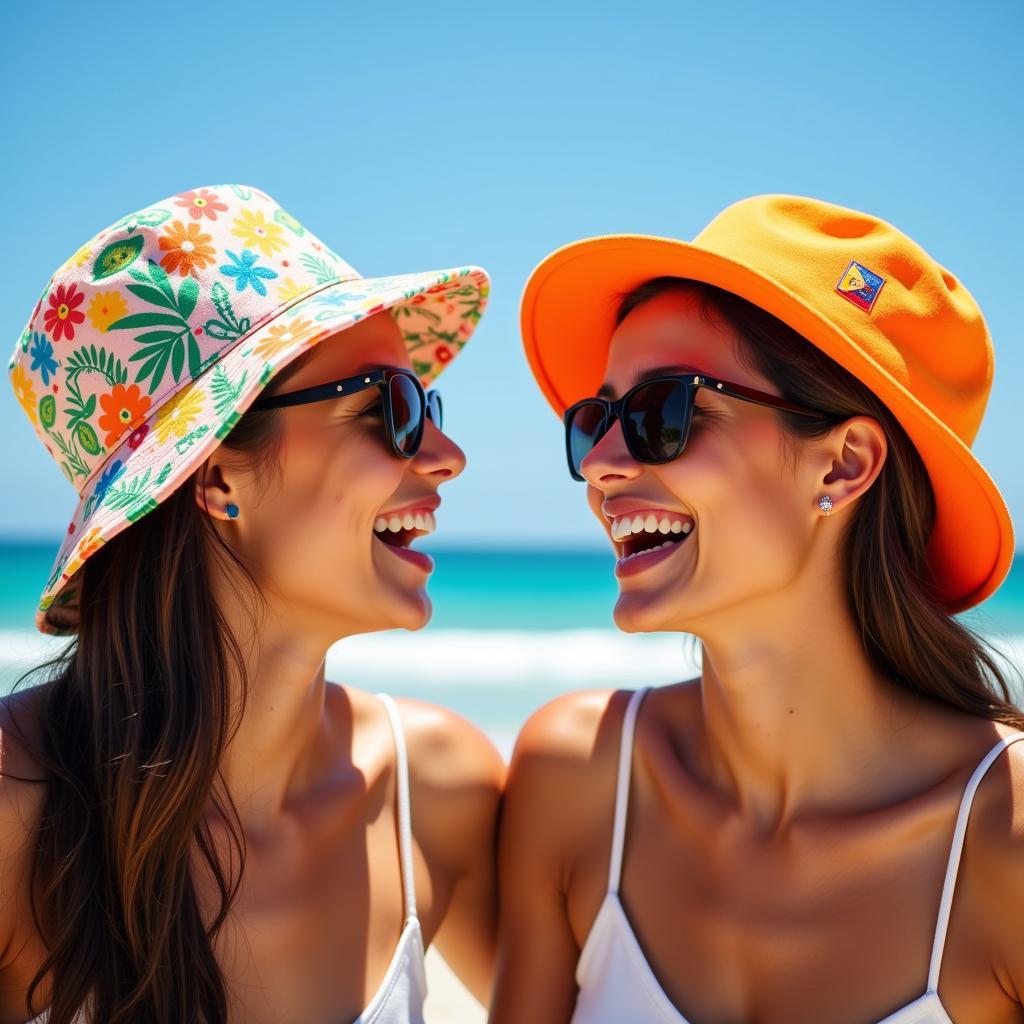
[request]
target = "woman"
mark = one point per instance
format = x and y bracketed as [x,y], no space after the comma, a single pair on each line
[773,425]
[197,825]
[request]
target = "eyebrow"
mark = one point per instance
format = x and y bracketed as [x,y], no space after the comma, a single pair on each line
[607,391]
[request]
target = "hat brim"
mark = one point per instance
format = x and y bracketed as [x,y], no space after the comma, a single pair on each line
[567,317]
[437,311]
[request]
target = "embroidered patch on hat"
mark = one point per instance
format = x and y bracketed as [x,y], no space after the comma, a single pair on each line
[860,285]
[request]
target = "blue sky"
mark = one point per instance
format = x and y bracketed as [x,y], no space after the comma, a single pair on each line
[411,136]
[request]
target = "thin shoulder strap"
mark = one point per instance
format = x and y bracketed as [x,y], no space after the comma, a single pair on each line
[404,816]
[622,789]
[953,866]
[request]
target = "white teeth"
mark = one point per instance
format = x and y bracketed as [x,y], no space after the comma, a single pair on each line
[648,551]
[626,526]
[408,521]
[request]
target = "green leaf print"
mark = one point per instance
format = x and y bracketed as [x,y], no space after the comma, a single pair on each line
[116,256]
[228,327]
[87,436]
[427,314]
[242,193]
[321,270]
[96,360]
[224,393]
[48,411]
[164,346]
[78,410]
[421,369]
[73,464]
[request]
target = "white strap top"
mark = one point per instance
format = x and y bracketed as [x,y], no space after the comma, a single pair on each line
[617,984]
[400,996]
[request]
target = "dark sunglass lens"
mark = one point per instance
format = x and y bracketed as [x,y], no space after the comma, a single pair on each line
[656,417]
[585,430]
[435,410]
[406,413]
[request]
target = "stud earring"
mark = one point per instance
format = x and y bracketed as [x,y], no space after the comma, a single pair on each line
[826,505]
[232,511]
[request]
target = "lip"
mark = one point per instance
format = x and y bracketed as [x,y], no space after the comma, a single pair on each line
[429,504]
[420,559]
[647,560]
[616,507]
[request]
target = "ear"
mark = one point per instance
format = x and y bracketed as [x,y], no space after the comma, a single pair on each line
[854,453]
[214,491]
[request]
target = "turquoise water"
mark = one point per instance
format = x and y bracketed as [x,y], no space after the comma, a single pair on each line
[511,629]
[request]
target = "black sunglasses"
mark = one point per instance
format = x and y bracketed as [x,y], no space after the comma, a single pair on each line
[406,405]
[655,415]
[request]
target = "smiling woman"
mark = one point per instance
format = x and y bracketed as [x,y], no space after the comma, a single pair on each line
[195,824]
[782,838]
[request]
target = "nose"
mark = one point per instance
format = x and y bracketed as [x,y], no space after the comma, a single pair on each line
[439,455]
[609,460]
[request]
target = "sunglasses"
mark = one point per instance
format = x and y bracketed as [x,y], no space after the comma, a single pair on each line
[655,416]
[406,405]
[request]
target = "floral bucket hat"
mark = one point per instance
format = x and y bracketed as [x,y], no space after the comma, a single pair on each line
[148,345]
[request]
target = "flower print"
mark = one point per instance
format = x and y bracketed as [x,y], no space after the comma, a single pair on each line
[245,272]
[290,290]
[62,314]
[178,415]
[137,436]
[123,409]
[106,481]
[252,227]
[187,248]
[78,260]
[90,543]
[25,392]
[282,336]
[443,354]
[203,203]
[105,308]
[42,357]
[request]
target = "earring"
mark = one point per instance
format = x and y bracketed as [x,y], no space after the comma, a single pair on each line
[826,505]
[232,511]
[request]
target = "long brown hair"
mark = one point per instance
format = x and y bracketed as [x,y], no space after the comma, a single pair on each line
[905,631]
[132,727]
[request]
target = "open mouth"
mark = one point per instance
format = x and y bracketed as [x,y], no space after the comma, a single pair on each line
[645,532]
[399,530]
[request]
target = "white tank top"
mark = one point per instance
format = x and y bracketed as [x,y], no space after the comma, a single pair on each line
[400,996]
[617,984]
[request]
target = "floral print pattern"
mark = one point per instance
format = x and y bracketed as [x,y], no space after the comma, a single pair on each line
[146,347]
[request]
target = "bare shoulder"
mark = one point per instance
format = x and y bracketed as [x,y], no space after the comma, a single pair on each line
[997,818]
[21,778]
[456,780]
[22,792]
[562,775]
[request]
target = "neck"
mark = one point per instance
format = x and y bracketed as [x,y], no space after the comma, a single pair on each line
[284,741]
[795,717]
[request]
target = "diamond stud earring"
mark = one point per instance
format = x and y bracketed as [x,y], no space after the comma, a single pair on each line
[232,511]
[826,505]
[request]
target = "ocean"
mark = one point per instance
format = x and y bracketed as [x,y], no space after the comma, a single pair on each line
[511,629]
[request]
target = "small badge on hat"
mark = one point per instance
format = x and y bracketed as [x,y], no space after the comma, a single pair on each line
[860,285]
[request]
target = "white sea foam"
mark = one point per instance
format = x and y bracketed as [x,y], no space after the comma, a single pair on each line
[597,657]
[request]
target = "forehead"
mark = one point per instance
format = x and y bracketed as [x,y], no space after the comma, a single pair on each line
[671,331]
[368,344]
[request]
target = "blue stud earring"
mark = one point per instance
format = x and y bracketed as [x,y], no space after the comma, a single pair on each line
[826,505]
[232,511]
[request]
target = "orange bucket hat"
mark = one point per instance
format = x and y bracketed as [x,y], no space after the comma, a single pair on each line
[855,287]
